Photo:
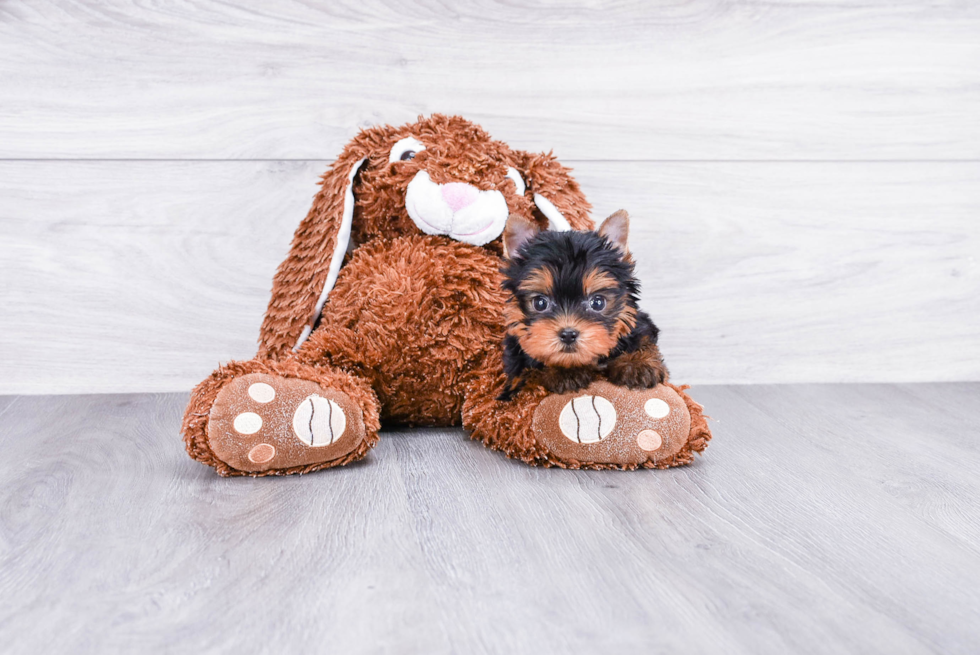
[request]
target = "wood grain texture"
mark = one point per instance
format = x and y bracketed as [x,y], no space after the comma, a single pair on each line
[143,276]
[823,519]
[628,80]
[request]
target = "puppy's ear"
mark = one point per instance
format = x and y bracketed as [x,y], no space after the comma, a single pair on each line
[309,272]
[517,232]
[616,229]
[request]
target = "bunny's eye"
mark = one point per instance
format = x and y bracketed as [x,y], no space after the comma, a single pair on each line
[405,149]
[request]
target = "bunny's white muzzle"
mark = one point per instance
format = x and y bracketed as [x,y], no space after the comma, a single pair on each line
[459,211]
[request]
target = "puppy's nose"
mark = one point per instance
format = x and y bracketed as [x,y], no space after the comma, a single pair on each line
[458,195]
[568,336]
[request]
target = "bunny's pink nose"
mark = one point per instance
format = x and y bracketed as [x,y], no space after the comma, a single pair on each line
[458,195]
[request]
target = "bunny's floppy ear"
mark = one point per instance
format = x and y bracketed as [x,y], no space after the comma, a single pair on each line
[307,275]
[556,193]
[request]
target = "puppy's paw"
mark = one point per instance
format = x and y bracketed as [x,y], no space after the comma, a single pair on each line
[510,390]
[636,373]
[566,380]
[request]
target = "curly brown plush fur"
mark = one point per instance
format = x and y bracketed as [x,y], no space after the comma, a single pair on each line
[458,151]
[411,331]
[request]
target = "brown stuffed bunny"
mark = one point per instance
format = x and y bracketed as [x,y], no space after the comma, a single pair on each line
[389,308]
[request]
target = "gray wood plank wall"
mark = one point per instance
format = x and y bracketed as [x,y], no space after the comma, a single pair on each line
[805,177]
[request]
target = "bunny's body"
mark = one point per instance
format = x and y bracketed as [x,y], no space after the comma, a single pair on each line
[389,307]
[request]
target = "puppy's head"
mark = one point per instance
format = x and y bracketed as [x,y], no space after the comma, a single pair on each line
[573,294]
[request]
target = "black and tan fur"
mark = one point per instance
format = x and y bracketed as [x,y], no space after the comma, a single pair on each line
[572,312]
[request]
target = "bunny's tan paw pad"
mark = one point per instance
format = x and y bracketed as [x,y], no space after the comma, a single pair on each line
[605,424]
[260,422]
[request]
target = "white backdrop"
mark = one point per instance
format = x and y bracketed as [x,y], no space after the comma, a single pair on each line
[804,177]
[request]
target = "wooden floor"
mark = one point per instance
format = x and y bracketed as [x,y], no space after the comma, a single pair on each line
[823,518]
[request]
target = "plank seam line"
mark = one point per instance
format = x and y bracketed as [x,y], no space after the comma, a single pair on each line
[565,161]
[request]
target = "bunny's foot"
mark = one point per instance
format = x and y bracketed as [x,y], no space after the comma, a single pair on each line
[608,426]
[602,426]
[265,421]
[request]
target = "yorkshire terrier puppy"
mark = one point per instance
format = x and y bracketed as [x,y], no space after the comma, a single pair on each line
[573,313]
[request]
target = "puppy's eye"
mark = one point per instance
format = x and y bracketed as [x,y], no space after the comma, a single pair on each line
[539,303]
[598,303]
[405,149]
